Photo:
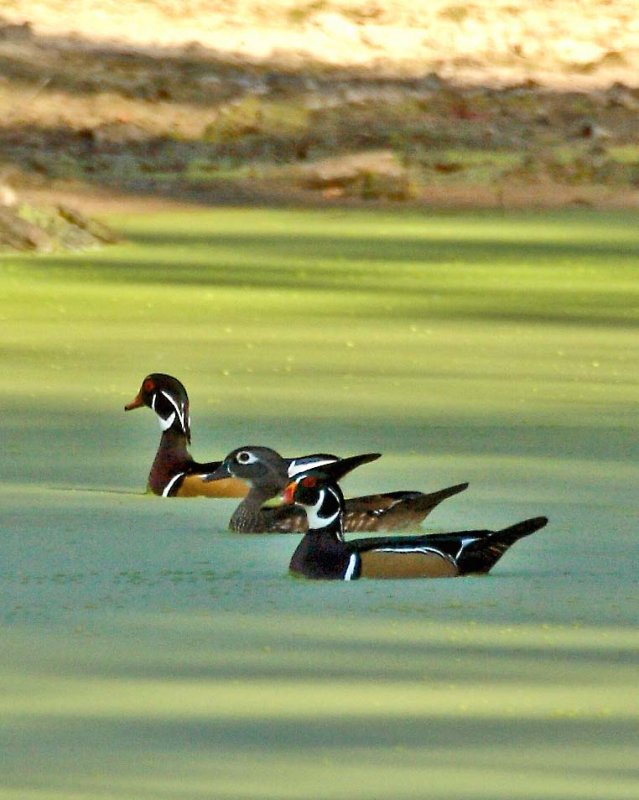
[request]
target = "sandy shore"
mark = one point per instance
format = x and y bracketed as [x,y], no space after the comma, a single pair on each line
[579,43]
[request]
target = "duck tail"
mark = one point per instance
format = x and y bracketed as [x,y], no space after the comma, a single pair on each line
[426,502]
[481,555]
[520,529]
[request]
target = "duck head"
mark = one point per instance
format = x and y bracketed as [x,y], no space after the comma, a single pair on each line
[167,397]
[260,467]
[318,491]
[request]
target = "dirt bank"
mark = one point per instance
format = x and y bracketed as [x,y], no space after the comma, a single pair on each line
[486,103]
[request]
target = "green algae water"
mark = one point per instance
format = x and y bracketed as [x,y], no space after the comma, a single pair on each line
[148,653]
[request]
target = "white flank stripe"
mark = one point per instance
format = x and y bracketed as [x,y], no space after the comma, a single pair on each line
[170,484]
[408,549]
[464,542]
[425,550]
[350,569]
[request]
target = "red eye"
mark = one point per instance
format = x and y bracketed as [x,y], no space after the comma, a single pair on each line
[309,482]
[148,385]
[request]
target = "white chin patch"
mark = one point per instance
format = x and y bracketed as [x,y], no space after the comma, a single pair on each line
[165,424]
[314,520]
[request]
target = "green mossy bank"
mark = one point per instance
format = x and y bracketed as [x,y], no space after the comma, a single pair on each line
[148,653]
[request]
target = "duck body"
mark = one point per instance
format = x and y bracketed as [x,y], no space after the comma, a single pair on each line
[267,473]
[174,473]
[324,554]
[436,555]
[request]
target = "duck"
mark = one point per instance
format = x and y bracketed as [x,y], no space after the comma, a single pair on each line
[174,472]
[267,473]
[323,553]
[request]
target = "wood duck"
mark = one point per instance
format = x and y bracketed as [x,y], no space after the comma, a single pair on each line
[267,473]
[324,554]
[174,473]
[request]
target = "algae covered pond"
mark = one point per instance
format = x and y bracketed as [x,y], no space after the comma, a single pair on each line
[148,653]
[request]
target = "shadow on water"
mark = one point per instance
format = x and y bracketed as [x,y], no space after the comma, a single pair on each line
[349,251]
[220,703]
[428,248]
[543,282]
[106,451]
